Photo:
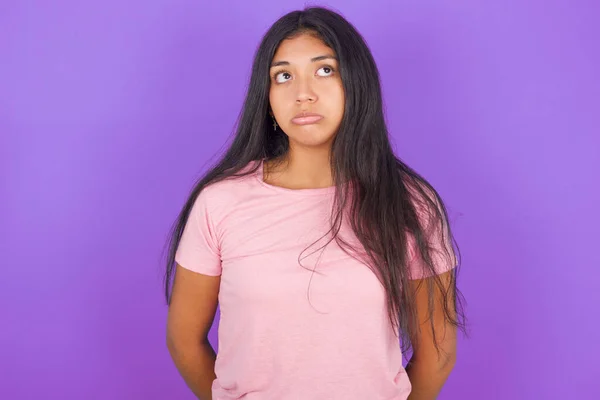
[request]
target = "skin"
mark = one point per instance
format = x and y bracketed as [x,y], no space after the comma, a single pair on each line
[191,314]
[299,82]
[427,370]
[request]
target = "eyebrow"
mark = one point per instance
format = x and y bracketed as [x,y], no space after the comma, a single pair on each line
[314,59]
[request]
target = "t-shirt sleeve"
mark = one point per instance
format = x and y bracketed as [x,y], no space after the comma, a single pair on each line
[198,248]
[442,252]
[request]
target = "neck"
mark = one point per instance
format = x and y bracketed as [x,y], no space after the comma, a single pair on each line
[302,169]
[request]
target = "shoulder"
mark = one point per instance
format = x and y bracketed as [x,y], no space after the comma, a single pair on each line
[220,196]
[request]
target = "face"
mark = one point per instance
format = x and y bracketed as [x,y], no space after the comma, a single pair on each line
[306,93]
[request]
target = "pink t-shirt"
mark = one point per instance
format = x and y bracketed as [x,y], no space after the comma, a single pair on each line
[285,332]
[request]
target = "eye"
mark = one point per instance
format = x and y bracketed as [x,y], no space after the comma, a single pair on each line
[279,75]
[327,70]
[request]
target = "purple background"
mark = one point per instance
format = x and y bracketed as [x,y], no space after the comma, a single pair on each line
[109,111]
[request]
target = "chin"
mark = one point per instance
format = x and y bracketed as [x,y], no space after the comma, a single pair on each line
[312,138]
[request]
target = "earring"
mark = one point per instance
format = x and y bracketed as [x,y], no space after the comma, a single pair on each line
[274,123]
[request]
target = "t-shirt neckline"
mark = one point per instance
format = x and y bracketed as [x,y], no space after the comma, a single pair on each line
[298,192]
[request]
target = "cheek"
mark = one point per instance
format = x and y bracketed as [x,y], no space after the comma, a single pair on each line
[339,102]
[277,101]
[336,93]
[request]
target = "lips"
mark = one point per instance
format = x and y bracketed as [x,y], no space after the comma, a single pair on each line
[306,118]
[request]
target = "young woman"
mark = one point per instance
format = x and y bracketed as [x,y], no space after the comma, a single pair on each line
[323,250]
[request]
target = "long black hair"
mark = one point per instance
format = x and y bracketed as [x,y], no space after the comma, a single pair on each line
[386,199]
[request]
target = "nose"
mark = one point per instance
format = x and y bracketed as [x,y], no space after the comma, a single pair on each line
[305,92]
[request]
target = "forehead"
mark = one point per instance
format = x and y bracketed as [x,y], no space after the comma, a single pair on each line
[301,48]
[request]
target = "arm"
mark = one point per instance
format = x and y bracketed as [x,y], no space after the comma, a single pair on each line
[426,369]
[191,314]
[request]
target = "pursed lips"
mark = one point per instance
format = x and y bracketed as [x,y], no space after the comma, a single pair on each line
[306,118]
